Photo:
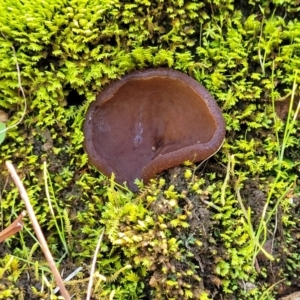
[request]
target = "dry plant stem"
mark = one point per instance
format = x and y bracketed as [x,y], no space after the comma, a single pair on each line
[68,278]
[20,88]
[13,228]
[38,230]
[1,209]
[225,183]
[89,290]
[111,296]
[203,161]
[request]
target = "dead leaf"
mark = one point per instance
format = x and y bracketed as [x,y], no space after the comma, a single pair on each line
[3,116]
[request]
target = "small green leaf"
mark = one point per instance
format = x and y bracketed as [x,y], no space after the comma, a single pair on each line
[2,132]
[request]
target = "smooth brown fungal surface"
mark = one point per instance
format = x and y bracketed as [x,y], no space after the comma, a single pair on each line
[150,121]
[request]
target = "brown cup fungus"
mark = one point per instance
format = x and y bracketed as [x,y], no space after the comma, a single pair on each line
[150,121]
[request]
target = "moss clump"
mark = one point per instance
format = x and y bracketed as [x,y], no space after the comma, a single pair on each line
[162,233]
[246,54]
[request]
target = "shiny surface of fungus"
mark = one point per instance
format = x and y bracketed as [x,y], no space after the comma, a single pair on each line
[150,121]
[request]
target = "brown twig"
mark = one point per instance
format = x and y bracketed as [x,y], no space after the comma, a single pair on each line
[13,228]
[38,230]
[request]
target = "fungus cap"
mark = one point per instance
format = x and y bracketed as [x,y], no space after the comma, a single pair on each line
[150,121]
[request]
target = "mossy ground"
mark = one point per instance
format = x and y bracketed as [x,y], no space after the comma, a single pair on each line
[192,233]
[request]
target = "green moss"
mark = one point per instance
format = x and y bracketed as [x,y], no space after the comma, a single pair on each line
[245,54]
